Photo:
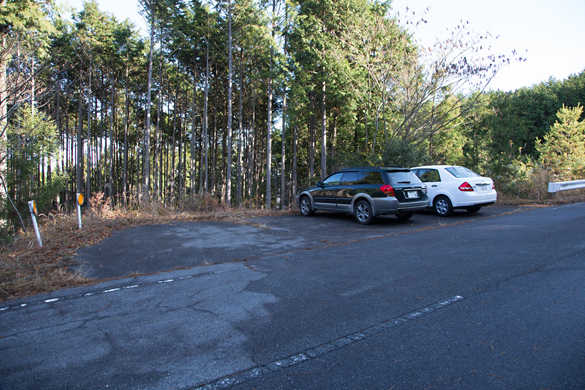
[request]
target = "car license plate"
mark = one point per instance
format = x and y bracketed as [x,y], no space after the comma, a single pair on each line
[411,194]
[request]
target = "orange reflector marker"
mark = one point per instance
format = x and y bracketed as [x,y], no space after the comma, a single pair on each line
[80,199]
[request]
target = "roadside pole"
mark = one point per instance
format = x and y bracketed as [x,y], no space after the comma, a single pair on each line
[32,206]
[79,203]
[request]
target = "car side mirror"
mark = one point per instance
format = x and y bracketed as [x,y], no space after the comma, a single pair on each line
[319,184]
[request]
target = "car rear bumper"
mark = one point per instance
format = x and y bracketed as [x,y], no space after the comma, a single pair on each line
[477,200]
[392,206]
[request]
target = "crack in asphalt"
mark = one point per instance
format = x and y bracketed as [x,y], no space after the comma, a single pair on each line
[537,269]
[322,349]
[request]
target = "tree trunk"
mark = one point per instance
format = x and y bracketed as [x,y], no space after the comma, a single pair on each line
[172,168]
[283,151]
[3,111]
[269,141]
[251,150]
[79,146]
[214,146]
[88,174]
[323,134]
[240,131]
[157,134]
[193,132]
[269,131]
[146,149]
[294,163]
[193,156]
[333,140]
[205,136]
[312,138]
[111,147]
[125,166]
[182,151]
[180,139]
[229,118]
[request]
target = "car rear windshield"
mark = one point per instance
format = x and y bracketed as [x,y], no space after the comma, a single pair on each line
[402,177]
[461,172]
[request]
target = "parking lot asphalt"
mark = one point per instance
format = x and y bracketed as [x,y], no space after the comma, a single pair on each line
[158,248]
[487,301]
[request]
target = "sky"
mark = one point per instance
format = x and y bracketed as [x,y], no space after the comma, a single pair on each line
[549,34]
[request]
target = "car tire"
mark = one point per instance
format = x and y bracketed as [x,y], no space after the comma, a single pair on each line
[363,212]
[443,206]
[306,206]
[403,216]
[473,209]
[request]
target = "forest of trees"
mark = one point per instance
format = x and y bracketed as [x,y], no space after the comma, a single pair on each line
[246,101]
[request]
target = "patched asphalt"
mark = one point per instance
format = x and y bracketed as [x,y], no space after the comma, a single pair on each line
[158,248]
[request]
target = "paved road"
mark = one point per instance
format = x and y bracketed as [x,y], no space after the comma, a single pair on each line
[495,300]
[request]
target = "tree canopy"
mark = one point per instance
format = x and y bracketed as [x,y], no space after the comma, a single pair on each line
[220,93]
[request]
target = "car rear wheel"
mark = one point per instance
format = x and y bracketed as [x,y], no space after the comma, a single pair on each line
[306,207]
[443,206]
[363,212]
[473,209]
[403,216]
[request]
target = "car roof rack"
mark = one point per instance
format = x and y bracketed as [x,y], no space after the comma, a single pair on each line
[380,168]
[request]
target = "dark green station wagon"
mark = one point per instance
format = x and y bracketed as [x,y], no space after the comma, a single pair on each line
[367,192]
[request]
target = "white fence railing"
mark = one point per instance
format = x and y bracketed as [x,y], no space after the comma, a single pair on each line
[566,185]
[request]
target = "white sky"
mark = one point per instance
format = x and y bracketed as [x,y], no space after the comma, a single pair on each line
[549,34]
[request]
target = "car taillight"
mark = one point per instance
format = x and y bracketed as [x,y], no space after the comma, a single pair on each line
[425,189]
[387,189]
[465,187]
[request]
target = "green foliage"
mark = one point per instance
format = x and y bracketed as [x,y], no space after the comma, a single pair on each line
[395,153]
[32,140]
[403,153]
[447,147]
[523,178]
[23,15]
[517,119]
[349,158]
[563,149]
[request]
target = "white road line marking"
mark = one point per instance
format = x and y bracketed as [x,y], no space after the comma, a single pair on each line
[322,349]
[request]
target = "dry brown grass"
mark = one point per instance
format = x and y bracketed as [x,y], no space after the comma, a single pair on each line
[27,269]
[559,198]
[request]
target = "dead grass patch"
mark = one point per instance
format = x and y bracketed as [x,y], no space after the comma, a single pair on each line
[559,198]
[27,269]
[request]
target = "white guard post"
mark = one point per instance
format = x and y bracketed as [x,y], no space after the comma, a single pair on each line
[32,206]
[79,203]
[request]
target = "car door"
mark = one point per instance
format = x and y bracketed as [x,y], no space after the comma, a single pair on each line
[324,196]
[347,190]
[432,179]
